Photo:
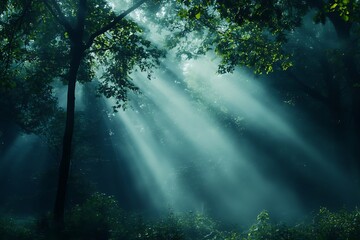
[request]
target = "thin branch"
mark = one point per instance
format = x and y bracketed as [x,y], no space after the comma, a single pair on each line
[112,23]
[58,15]
[18,22]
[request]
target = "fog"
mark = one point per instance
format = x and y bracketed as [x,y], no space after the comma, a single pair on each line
[225,145]
[184,157]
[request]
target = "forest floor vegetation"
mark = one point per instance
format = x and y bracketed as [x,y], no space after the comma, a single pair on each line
[100,218]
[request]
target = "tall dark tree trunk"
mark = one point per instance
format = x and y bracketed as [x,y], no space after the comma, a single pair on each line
[64,168]
[78,47]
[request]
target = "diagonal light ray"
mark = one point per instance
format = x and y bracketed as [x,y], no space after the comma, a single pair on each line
[236,180]
[241,96]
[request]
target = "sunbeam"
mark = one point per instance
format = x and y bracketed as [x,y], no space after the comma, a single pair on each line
[174,135]
[187,161]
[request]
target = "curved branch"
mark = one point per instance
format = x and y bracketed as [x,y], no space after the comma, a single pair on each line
[112,23]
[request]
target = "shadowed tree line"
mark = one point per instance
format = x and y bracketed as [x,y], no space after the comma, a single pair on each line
[100,217]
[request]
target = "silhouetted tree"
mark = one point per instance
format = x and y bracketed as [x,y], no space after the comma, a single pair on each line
[67,40]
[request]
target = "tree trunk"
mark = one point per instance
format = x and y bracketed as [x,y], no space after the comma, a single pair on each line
[64,168]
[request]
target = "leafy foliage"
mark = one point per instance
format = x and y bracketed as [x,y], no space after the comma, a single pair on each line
[11,230]
[100,217]
[247,33]
[29,63]
[325,225]
[36,47]
[348,10]
[97,218]
[337,225]
[119,51]
[29,103]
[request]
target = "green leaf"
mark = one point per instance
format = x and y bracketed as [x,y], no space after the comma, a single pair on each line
[198,15]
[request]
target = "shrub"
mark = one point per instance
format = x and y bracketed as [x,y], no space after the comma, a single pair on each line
[342,225]
[12,230]
[99,217]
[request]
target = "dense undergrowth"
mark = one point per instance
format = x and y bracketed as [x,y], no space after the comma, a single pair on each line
[100,218]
